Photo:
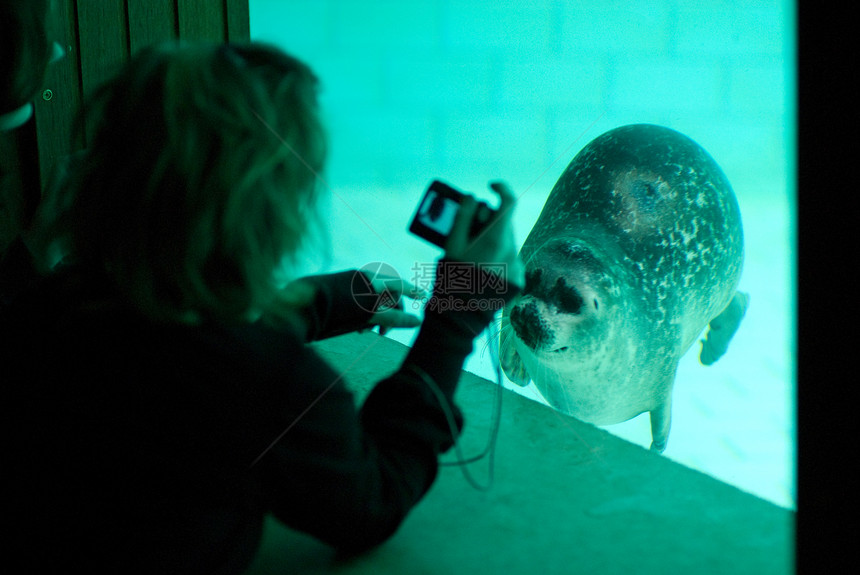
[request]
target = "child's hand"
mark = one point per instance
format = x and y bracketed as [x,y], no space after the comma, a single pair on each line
[495,244]
[390,312]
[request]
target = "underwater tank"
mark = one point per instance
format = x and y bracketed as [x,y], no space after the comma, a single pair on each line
[476,91]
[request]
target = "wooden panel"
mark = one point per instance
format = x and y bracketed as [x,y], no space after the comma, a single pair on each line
[99,36]
[103,41]
[202,20]
[55,110]
[151,21]
[238,21]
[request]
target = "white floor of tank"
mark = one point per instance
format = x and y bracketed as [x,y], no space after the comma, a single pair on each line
[734,420]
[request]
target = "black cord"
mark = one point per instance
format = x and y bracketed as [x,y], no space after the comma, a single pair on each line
[490,449]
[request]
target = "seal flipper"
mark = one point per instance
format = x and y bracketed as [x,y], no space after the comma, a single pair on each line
[661,424]
[722,328]
[511,362]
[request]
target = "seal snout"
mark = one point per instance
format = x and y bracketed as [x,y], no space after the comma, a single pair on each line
[550,307]
[530,326]
[562,295]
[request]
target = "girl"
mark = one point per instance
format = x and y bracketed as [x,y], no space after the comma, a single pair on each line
[165,399]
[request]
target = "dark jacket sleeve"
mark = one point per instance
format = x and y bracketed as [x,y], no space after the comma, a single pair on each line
[356,475]
[336,307]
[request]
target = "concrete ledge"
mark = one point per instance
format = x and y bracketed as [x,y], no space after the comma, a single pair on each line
[567,497]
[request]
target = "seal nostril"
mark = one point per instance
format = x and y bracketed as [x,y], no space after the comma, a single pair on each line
[566,297]
[595,305]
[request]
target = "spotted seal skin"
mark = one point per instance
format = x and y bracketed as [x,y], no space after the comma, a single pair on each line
[638,248]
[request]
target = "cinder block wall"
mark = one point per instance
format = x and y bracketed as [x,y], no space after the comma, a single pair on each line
[478,89]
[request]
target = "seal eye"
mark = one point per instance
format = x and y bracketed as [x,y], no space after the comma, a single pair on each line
[644,189]
[646,193]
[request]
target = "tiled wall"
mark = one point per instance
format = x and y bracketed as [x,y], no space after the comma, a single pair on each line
[478,89]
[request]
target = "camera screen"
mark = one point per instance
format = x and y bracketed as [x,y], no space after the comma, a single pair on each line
[438,213]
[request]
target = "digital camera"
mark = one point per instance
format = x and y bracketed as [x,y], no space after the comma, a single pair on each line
[436,212]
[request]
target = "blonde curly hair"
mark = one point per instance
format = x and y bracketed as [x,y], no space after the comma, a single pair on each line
[200,179]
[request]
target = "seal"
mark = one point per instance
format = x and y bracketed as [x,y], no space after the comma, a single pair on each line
[638,249]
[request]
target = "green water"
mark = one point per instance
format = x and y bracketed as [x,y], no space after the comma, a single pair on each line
[477,90]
